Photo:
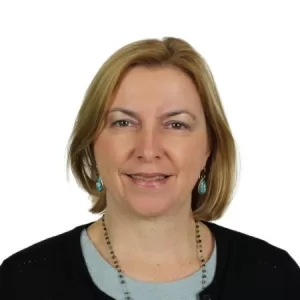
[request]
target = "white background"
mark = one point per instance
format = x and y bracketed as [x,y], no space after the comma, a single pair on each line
[49,53]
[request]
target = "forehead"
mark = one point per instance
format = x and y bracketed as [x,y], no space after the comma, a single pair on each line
[157,86]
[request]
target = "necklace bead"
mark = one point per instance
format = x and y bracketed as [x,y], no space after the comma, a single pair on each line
[127,295]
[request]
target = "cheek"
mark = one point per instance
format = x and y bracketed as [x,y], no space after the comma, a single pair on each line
[110,152]
[191,154]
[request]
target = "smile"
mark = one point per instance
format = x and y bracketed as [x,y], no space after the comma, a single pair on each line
[150,181]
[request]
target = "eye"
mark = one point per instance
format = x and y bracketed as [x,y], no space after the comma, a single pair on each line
[121,123]
[178,125]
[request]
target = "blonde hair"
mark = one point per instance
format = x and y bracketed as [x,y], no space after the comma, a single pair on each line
[168,52]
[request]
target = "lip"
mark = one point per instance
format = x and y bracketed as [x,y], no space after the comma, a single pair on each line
[153,184]
[148,175]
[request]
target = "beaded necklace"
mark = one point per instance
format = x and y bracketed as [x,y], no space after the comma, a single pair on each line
[127,294]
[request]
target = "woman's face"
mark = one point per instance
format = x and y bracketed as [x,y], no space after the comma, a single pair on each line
[154,146]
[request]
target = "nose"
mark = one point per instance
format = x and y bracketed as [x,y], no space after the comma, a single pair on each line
[148,145]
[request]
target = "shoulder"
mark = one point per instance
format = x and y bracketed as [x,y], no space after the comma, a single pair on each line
[40,262]
[42,250]
[245,244]
[238,238]
[246,255]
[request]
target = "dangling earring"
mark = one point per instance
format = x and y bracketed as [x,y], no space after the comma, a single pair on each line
[99,183]
[202,187]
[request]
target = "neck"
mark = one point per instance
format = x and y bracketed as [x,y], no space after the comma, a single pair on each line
[168,236]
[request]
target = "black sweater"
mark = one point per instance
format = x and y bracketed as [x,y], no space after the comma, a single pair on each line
[247,269]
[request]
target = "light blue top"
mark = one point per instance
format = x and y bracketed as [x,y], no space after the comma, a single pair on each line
[106,278]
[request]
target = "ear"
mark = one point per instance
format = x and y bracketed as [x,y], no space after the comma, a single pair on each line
[208,148]
[208,152]
[207,155]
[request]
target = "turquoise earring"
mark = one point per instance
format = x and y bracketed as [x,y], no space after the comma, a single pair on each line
[99,184]
[202,187]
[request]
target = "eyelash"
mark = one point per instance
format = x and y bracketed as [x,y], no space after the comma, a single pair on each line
[115,124]
[185,126]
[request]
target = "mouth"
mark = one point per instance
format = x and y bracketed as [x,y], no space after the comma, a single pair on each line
[149,180]
[148,177]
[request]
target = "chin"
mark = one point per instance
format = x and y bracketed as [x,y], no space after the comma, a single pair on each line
[150,208]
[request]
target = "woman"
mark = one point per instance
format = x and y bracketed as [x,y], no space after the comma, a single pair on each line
[152,146]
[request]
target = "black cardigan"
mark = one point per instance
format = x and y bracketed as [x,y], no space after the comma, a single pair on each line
[247,269]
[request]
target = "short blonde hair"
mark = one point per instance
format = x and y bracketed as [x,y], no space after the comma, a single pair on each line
[169,52]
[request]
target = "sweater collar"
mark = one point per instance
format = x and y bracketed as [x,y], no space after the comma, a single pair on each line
[78,270]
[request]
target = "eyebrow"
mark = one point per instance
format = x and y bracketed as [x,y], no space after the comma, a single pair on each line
[166,115]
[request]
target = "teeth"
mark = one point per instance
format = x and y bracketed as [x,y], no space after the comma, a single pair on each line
[148,178]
